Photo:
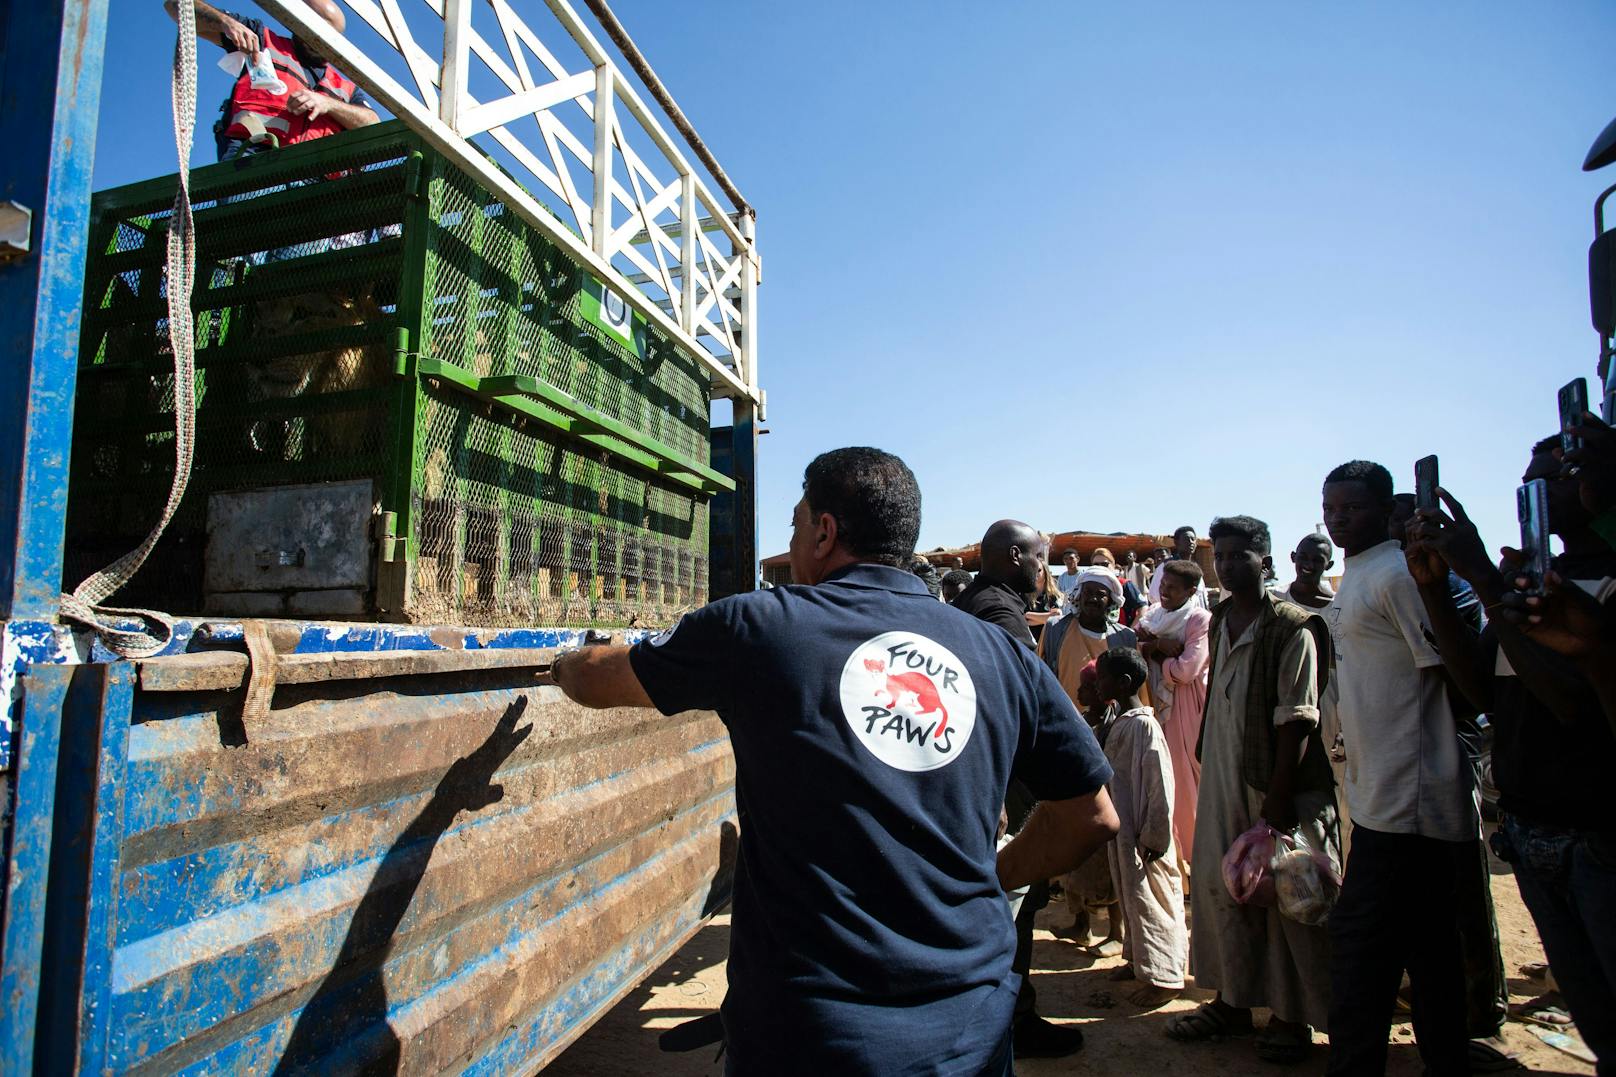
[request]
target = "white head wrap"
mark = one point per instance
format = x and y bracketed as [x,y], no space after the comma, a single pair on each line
[1100,574]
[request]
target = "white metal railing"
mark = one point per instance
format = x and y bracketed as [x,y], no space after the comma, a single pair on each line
[651,228]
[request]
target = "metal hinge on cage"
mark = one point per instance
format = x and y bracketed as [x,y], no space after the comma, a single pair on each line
[387,537]
[403,356]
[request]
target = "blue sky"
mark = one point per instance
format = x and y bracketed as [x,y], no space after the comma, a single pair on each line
[1122,268]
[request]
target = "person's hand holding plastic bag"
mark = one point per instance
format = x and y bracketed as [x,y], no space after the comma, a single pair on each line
[1305,883]
[1248,866]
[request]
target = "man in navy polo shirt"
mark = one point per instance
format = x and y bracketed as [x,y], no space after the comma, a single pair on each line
[875,730]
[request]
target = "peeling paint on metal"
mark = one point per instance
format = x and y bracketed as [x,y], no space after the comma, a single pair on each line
[24,644]
[308,894]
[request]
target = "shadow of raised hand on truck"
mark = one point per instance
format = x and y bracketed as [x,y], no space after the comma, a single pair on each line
[343,1027]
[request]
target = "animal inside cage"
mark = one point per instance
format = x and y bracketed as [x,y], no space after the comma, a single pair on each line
[412,406]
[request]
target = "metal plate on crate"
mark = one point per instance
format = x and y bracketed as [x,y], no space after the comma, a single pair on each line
[286,539]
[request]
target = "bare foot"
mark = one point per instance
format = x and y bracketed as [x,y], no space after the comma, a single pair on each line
[1121,973]
[1108,948]
[1149,996]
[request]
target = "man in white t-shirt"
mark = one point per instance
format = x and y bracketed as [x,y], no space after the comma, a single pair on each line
[1414,814]
[1067,581]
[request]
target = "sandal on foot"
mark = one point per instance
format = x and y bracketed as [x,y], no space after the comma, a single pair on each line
[1206,1022]
[1285,1045]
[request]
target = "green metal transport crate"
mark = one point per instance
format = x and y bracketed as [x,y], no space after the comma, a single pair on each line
[412,406]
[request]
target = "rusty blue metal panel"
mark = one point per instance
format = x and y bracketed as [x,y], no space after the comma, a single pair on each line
[22,927]
[84,857]
[50,92]
[449,872]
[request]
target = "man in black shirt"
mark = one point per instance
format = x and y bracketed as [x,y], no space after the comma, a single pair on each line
[1552,749]
[1013,557]
[1013,554]
[874,731]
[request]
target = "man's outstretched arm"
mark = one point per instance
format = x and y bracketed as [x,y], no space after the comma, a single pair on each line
[599,677]
[215,26]
[1058,836]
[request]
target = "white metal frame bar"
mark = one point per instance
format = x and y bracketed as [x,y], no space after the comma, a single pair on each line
[700,296]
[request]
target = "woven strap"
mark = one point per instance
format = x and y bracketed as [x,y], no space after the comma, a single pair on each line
[84,605]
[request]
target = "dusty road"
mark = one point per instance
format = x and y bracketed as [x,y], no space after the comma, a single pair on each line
[1072,986]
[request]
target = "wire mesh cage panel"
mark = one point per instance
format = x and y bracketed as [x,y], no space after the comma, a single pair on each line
[365,312]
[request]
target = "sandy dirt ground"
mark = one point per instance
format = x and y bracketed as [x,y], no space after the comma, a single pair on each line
[1072,987]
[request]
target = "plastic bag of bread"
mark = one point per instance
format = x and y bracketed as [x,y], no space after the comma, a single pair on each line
[1248,865]
[1305,885]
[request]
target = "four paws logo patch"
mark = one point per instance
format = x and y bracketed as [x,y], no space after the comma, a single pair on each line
[909,700]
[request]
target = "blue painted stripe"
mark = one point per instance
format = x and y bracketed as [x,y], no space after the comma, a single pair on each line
[170,782]
[151,1011]
[52,104]
[22,934]
[205,884]
[100,916]
[333,637]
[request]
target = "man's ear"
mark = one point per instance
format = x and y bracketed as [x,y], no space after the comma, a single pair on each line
[825,538]
[1268,562]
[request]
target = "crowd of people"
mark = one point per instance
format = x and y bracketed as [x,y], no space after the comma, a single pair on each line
[1116,729]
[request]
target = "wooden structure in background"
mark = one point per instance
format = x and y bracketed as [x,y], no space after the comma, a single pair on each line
[777,569]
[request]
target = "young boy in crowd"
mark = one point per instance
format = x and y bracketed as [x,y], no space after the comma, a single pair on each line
[1088,889]
[1174,641]
[1261,758]
[1144,868]
[1312,558]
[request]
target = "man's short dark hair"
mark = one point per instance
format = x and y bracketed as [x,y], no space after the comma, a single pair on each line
[1124,662]
[1186,529]
[1545,445]
[1188,571]
[1375,478]
[873,496]
[1253,530]
[1317,539]
[1069,552]
[956,577]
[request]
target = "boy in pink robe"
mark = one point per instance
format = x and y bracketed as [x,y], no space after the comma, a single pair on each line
[1173,639]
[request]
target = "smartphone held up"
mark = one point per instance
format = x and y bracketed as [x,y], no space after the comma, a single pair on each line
[1425,483]
[1532,509]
